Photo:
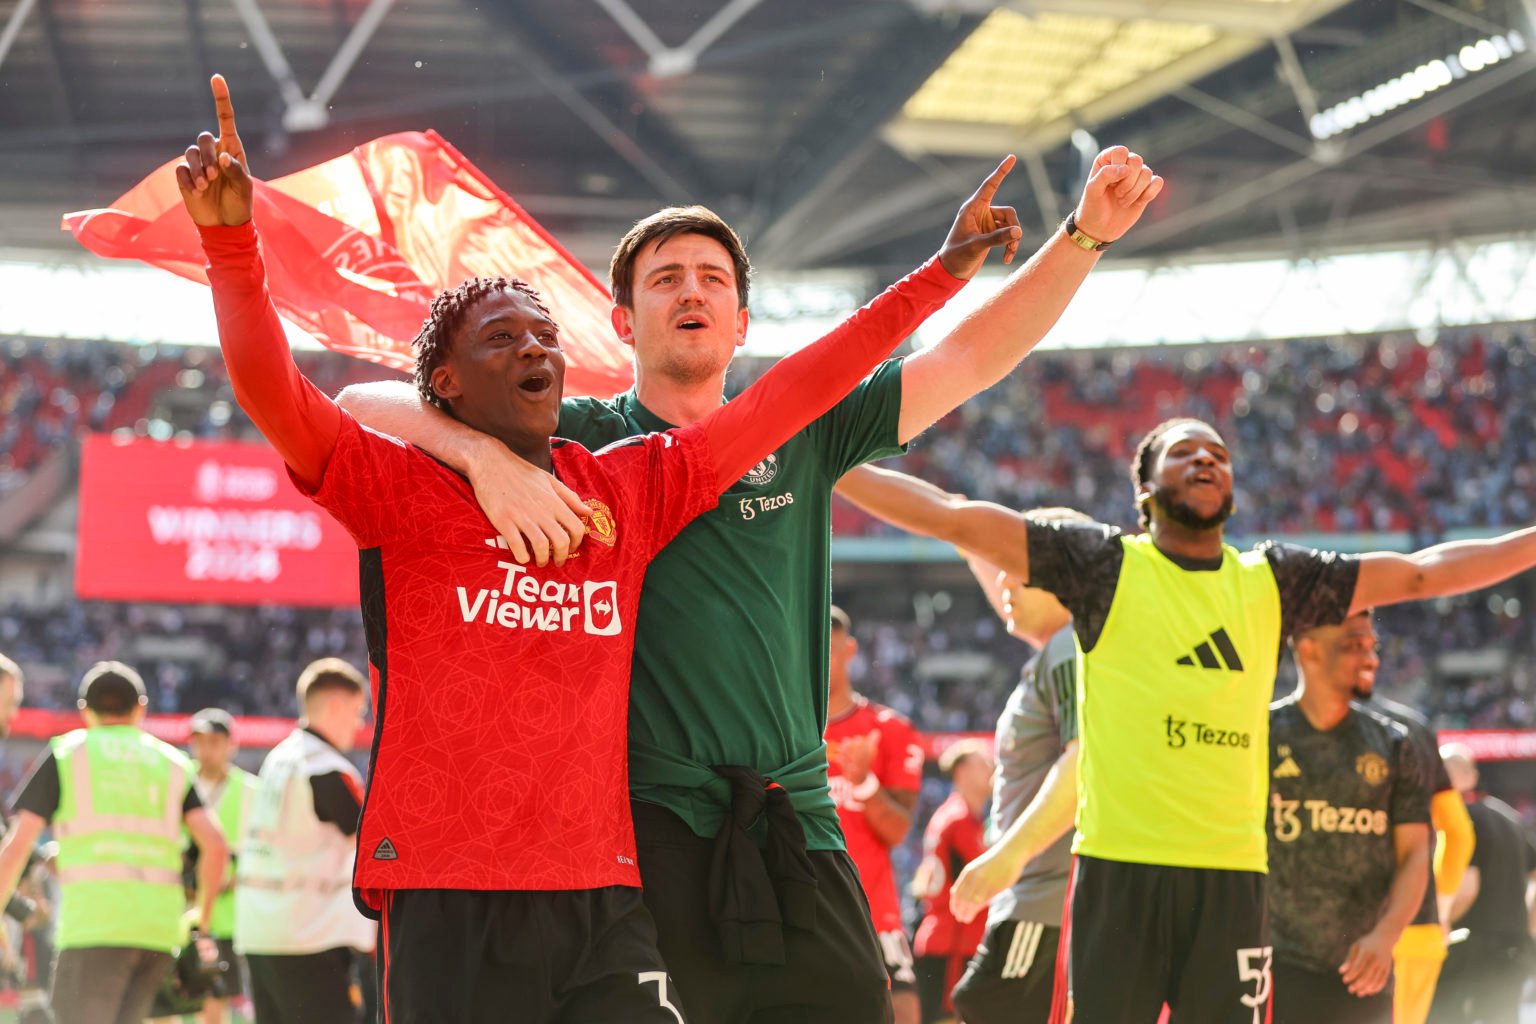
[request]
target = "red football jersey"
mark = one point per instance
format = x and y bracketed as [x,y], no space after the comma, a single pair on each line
[500,754]
[955,837]
[898,764]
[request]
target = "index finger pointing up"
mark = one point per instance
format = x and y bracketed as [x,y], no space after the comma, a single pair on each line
[994,180]
[224,108]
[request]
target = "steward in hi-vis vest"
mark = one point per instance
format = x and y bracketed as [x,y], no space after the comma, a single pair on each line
[295,921]
[1178,634]
[228,791]
[117,799]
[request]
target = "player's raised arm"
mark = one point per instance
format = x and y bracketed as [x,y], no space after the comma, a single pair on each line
[1455,567]
[997,534]
[217,191]
[989,343]
[803,386]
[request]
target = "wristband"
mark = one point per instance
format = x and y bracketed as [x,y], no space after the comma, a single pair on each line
[1081,240]
[866,789]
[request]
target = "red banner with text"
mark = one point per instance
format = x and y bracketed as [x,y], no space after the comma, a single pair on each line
[207,523]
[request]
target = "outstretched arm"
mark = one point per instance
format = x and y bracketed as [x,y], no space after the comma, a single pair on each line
[989,343]
[997,534]
[801,387]
[290,412]
[1455,567]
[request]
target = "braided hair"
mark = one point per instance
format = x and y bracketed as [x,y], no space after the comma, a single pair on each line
[1146,455]
[435,339]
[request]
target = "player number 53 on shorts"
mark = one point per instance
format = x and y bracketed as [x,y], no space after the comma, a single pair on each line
[1253,965]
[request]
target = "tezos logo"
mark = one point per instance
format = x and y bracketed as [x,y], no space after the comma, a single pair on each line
[763,472]
[1202,735]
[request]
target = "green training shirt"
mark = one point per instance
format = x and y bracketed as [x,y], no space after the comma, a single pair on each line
[731,641]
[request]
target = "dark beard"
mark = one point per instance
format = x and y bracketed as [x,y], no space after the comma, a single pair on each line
[1187,517]
[1362,694]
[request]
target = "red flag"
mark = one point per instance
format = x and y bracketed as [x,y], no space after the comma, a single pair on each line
[357,247]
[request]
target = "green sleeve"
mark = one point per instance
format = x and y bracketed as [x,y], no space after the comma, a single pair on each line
[863,426]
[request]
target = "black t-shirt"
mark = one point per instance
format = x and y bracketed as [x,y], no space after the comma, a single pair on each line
[1080,563]
[1428,745]
[1504,858]
[40,794]
[1335,798]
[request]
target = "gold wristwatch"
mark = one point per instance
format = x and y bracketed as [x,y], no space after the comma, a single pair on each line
[1081,240]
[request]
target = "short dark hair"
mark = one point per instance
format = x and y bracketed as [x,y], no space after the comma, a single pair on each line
[435,339]
[669,223]
[9,669]
[329,675]
[1146,454]
[112,688]
[840,620]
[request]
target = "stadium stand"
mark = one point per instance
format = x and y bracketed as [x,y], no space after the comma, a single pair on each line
[1336,436]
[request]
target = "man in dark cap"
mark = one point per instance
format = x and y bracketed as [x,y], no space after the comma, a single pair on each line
[117,799]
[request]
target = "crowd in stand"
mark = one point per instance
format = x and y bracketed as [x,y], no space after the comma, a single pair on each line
[1359,434]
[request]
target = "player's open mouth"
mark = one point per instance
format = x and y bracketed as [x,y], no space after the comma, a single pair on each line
[537,383]
[691,323]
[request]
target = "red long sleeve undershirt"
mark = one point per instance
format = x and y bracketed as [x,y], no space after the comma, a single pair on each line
[303,424]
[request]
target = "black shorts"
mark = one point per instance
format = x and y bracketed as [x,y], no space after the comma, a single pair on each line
[232,982]
[937,977]
[1143,935]
[1012,977]
[832,974]
[1314,997]
[310,988]
[897,951]
[451,956]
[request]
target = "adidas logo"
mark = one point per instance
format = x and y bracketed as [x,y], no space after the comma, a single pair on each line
[385,850]
[1287,768]
[1207,657]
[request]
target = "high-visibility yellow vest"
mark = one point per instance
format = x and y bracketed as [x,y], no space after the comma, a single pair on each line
[231,809]
[118,826]
[1173,706]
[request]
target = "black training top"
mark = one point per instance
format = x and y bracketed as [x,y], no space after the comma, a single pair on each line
[1335,798]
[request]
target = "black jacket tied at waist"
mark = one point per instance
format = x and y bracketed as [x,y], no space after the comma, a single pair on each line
[754,893]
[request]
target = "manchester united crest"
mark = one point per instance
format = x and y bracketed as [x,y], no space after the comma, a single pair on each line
[1372,768]
[600,523]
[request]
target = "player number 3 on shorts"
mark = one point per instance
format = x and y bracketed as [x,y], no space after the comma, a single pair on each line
[660,978]
[1253,965]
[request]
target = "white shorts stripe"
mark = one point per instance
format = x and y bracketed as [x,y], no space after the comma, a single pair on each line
[1021,951]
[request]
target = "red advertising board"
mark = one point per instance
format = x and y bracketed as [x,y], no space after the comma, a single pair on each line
[204,522]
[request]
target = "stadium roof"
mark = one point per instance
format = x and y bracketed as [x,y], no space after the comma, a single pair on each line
[833,134]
